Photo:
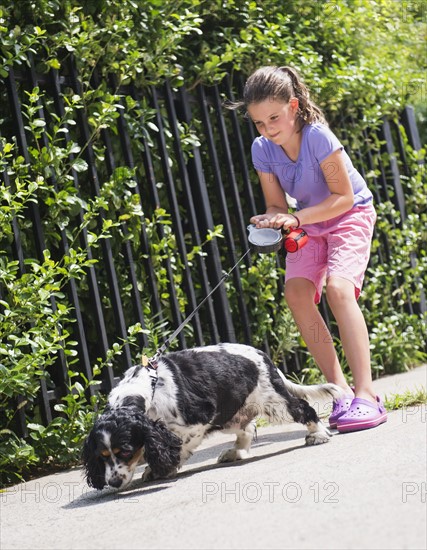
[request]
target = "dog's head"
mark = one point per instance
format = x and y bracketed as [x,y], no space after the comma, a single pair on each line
[121,439]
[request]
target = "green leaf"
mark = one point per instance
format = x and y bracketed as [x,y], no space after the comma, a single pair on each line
[80,165]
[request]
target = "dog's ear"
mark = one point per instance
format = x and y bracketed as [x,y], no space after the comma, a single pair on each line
[135,401]
[94,466]
[162,448]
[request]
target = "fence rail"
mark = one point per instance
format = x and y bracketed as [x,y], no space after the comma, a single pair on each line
[200,185]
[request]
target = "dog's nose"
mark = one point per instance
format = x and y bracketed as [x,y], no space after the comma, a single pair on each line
[115,482]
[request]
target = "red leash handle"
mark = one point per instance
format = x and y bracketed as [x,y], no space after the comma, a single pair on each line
[295,240]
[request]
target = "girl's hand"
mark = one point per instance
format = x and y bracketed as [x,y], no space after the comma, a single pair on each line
[261,219]
[275,221]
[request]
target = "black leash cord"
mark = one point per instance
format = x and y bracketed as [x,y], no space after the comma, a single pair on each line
[168,341]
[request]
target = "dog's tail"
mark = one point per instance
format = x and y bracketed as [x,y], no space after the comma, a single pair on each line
[313,392]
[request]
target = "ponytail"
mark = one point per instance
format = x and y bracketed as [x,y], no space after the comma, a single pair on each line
[308,112]
[280,83]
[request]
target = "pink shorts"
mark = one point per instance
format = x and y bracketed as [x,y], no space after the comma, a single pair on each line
[340,247]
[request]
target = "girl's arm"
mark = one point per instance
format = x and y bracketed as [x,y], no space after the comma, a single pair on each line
[341,199]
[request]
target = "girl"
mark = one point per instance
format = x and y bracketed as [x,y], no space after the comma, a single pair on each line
[298,156]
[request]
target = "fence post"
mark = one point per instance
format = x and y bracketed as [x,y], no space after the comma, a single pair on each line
[410,125]
[205,218]
[394,176]
[411,128]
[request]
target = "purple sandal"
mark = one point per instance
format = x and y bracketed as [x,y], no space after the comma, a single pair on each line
[361,415]
[339,408]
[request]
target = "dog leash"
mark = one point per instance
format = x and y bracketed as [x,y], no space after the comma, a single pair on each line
[151,363]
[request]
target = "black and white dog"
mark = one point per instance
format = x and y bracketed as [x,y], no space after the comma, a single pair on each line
[160,416]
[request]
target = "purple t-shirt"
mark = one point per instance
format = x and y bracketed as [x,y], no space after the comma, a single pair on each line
[303,180]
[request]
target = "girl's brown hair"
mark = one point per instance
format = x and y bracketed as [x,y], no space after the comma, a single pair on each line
[280,83]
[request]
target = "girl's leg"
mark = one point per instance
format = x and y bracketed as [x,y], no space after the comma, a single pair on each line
[299,294]
[353,333]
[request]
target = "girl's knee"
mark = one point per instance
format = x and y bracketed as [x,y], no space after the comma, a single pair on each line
[291,298]
[339,291]
[298,292]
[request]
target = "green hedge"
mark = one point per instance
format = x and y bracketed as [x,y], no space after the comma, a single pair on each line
[360,57]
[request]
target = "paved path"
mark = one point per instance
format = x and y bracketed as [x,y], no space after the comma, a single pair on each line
[365,490]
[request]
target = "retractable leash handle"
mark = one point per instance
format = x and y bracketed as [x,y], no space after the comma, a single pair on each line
[295,240]
[265,240]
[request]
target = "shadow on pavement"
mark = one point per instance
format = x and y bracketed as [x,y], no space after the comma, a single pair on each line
[138,488]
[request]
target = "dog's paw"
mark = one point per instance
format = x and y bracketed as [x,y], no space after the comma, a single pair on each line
[317,438]
[149,475]
[233,454]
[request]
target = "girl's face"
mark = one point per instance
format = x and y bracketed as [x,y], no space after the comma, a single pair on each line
[275,120]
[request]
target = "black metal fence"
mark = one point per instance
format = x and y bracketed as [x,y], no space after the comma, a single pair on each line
[199,185]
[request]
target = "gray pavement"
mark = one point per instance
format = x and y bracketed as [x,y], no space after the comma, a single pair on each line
[365,490]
